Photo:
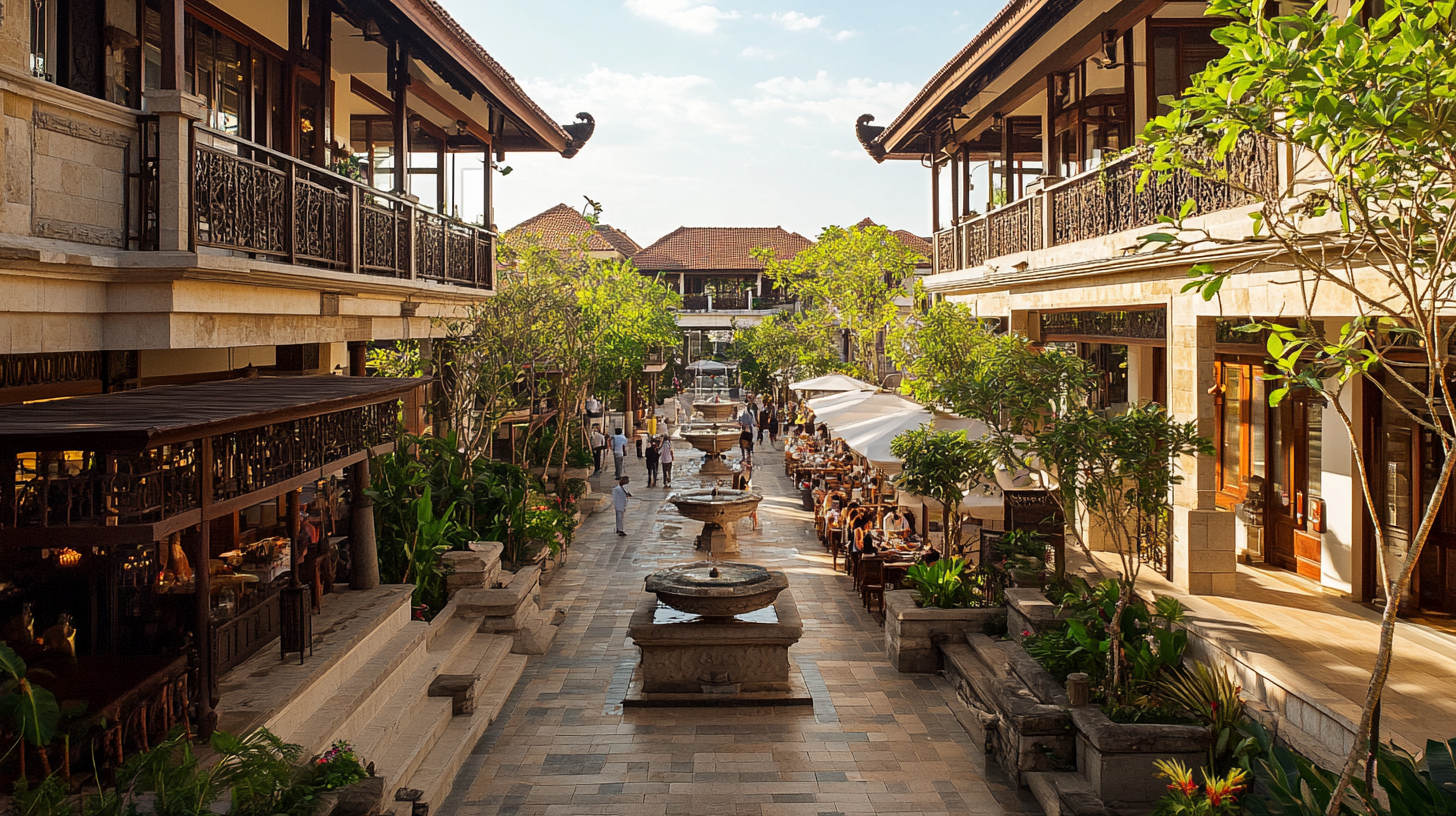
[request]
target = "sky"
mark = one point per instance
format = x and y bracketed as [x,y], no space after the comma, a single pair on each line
[721,112]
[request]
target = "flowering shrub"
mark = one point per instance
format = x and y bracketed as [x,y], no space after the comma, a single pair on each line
[337,767]
[1217,796]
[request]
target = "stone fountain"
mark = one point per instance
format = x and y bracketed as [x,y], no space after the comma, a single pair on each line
[713,441]
[715,411]
[716,633]
[718,508]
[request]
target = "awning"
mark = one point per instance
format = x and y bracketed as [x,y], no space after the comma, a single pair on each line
[169,414]
[707,365]
[832,382]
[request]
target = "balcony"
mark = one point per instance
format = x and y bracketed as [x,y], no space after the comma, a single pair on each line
[1099,203]
[733,303]
[248,198]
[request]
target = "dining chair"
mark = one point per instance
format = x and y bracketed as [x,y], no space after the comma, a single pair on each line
[872,581]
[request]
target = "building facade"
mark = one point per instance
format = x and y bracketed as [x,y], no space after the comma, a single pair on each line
[1037,213]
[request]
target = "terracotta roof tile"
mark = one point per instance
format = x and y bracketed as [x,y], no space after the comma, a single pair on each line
[619,240]
[558,224]
[694,248]
[908,238]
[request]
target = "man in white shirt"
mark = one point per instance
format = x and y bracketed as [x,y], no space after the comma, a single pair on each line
[593,407]
[665,458]
[619,450]
[619,500]
[598,444]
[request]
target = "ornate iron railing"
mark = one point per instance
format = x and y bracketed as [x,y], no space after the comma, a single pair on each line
[695,303]
[251,199]
[945,254]
[1108,201]
[730,302]
[1013,228]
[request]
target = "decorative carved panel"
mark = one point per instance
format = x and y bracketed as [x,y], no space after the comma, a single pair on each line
[1146,324]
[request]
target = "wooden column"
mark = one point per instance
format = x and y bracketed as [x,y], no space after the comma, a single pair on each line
[202,597]
[955,189]
[363,548]
[1006,166]
[400,80]
[290,508]
[965,153]
[934,183]
[174,49]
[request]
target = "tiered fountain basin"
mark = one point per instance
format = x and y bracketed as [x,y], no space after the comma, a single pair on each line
[716,411]
[718,648]
[719,509]
[713,441]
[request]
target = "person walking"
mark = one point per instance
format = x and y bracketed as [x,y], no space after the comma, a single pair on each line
[619,502]
[598,444]
[665,458]
[654,455]
[746,423]
[773,426]
[618,443]
[763,414]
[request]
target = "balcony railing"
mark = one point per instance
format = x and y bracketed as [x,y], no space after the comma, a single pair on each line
[733,303]
[251,199]
[1103,202]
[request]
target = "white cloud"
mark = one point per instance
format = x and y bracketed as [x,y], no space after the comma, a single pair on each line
[651,108]
[699,18]
[752,52]
[824,97]
[794,21]
[844,35]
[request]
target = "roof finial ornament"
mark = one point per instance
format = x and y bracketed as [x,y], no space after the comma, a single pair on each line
[867,134]
[580,132]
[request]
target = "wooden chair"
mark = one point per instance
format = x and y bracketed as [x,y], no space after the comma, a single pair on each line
[851,566]
[872,581]
[834,542]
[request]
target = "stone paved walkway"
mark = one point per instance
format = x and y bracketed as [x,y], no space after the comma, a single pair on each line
[876,741]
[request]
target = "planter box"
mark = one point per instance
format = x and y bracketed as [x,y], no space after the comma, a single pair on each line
[1022,709]
[913,635]
[1028,610]
[1116,759]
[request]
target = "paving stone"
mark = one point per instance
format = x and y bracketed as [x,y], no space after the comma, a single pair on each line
[875,741]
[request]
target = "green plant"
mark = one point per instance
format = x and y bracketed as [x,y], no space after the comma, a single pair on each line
[941,465]
[947,584]
[337,767]
[1021,554]
[32,709]
[45,798]
[1217,796]
[1425,787]
[1291,785]
[1212,697]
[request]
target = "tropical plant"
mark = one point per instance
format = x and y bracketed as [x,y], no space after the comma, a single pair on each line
[941,465]
[785,347]
[948,583]
[855,274]
[32,709]
[1291,785]
[337,767]
[1361,96]
[1211,696]
[1019,554]
[1424,787]
[1217,796]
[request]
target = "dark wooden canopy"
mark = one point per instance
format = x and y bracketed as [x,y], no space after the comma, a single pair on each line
[170,414]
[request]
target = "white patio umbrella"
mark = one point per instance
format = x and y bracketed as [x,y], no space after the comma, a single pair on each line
[832,382]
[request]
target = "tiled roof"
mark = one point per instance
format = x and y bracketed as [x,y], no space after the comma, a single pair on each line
[619,240]
[438,11]
[707,248]
[906,237]
[561,222]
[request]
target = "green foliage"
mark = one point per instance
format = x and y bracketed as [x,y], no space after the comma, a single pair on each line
[1148,642]
[785,347]
[1425,787]
[853,277]
[1217,796]
[941,465]
[1211,696]
[257,775]
[400,358]
[949,583]
[32,709]
[1291,785]
[430,498]
[1020,554]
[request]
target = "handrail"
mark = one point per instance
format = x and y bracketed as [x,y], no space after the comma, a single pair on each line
[255,199]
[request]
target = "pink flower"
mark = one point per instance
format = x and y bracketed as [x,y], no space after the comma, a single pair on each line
[1026,633]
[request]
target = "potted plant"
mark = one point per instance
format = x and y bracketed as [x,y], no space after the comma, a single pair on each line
[950,599]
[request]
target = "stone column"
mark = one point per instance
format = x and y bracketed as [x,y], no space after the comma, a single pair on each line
[176,111]
[1203,545]
[363,550]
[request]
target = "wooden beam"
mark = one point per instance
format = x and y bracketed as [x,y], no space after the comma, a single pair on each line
[174,50]
[432,98]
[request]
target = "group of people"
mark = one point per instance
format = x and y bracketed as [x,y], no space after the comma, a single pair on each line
[860,524]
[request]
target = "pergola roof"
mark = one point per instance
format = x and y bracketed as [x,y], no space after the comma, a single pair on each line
[169,414]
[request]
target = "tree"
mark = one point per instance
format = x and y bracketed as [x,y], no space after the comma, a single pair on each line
[785,347]
[942,465]
[855,274]
[1369,111]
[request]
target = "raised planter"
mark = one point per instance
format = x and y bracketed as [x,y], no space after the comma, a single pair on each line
[1022,710]
[1116,759]
[1028,610]
[914,635]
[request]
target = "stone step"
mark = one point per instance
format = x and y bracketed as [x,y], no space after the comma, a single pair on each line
[401,698]
[419,650]
[1064,794]
[436,774]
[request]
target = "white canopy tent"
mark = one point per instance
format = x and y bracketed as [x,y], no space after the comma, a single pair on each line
[833,383]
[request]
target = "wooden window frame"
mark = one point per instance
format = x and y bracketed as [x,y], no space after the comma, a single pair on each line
[1227,496]
[1150,31]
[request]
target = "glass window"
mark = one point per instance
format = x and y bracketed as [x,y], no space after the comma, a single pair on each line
[1231,460]
[123,53]
[1315,421]
[1258,413]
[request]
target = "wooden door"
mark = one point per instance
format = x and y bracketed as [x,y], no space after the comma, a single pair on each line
[1435,579]
[1292,544]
